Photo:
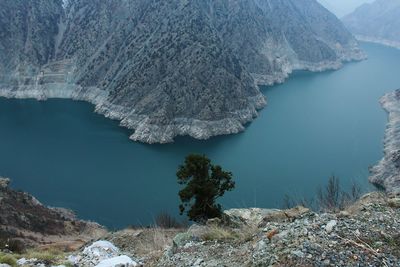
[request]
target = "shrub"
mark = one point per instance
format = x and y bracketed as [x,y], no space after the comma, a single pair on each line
[167,221]
[333,198]
[13,245]
[204,184]
[328,198]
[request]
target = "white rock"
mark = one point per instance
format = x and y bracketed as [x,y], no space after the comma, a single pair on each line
[4,265]
[118,261]
[4,182]
[198,262]
[100,250]
[330,225]
[252,216]
[298,253]
[22,261]
[74,259]
[95,253]
[358,233]
[98,246]
[25,262]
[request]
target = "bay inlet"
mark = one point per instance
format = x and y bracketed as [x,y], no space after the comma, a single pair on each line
[315,125]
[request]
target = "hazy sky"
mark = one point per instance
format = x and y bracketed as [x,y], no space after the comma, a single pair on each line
[343,7]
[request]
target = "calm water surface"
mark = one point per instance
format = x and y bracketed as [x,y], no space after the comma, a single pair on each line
[315,125]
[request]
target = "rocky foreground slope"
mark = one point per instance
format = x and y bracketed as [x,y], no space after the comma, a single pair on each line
[376,22]
[366,233]
[166,68]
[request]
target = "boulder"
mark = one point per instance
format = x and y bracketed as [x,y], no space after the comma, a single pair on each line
[394,202]
[181,239]
[284,215]
[330,226]
[4,182]
[101,249]
[123,260]
[252,216]
[101,254]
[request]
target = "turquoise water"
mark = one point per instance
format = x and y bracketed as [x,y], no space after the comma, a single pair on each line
[315,125]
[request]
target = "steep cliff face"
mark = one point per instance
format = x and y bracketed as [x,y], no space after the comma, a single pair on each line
[272,38]
[168,68]
[377,22]
[386,174]
[27,31]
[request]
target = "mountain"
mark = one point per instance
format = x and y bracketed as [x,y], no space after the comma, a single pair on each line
[166,68]
[342,7]
[377,22]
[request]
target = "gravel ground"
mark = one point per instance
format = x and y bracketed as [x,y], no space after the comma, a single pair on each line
[365,234]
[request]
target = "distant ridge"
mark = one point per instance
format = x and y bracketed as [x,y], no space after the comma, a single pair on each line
[377,22]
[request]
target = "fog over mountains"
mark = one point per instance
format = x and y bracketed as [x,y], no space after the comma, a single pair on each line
[343,7]
[376,22]
[166,68]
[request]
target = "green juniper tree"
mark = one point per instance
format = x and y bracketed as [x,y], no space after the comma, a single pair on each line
[204,183]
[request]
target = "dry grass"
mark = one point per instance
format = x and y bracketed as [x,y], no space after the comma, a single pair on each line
[8,259]
[50,256]
[152,243]
[247,234]
[148,243]
[219,233]
[159,239]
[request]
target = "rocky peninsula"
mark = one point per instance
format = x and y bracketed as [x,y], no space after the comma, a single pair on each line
[166,68]
[386,174]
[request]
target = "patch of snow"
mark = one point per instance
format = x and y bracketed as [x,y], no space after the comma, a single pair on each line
[118,261]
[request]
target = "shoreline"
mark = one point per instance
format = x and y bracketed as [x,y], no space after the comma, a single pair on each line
[386,173]
[144,130]
[385,42]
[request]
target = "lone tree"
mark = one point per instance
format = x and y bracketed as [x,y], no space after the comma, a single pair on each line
[204,183]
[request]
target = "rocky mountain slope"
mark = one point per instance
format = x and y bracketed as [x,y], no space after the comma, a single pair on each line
[376,22]
[25,222]
[166,68]
[386,174]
